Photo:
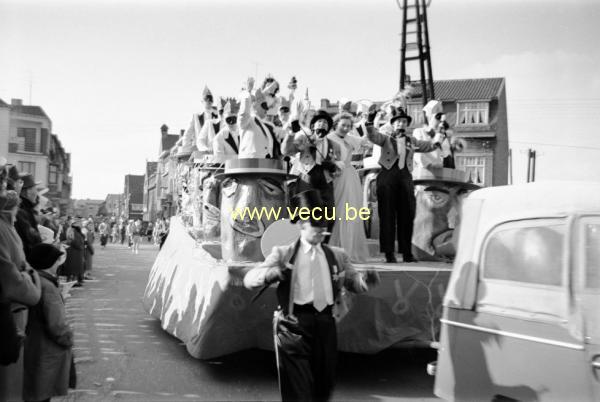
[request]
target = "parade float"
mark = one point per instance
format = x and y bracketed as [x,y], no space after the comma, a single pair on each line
[196,287]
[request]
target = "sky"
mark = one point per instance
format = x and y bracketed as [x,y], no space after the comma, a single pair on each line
[110,73]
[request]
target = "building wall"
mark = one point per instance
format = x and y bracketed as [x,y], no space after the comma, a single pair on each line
[4,130]
[501,155]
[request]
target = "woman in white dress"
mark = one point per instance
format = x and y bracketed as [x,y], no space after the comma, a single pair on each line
[348,234]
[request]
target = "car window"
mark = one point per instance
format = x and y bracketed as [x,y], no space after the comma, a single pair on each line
[592,254]
[528,252]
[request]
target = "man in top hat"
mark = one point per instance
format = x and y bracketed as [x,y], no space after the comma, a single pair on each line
[311,276]
[317,157]
[259,138]
[395,188]
[205,125]
[26,222]
[227,141]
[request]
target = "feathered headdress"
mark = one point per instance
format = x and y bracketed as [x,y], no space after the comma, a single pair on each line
[270,86]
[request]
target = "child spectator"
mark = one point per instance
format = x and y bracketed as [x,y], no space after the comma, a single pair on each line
[48,357]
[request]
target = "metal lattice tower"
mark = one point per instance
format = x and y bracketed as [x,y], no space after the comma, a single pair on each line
[415,44]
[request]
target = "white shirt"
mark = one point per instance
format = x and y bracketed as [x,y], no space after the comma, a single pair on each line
[309,258]
[303,289]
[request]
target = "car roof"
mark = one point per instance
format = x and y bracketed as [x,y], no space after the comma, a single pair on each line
[539,199]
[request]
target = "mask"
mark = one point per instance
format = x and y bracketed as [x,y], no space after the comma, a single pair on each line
[240,238]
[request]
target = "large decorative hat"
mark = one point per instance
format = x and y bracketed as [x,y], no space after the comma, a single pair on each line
[322,114]
[207,96]
[433,175]
[432,108]
[399,113]
[293,85]
[231,108]
[270,86]
[308,199]
[243,166]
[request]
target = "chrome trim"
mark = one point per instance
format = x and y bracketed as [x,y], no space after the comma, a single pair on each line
[514,335]
[596,365]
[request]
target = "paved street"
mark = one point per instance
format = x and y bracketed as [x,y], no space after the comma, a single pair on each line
[123,354]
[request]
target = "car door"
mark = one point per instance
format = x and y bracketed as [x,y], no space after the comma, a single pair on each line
[516,344]
[588,293]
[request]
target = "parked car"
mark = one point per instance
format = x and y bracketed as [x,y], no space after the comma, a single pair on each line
[521,318]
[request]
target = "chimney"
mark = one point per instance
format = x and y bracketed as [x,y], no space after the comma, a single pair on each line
[16,102]
[164,130]
[181,133]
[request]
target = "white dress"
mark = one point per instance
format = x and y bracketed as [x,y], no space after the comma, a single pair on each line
[348,234]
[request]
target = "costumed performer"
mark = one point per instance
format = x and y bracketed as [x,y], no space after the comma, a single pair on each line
[311,276]
[347,189]
[316,157]
[227,141]
[258,137]
[395,188]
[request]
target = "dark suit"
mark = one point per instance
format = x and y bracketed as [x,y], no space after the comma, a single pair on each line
[396,192]
[307,363]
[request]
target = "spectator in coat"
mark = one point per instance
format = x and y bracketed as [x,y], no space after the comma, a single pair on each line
[74,265]
[19,288]
[89,249]
[26,223]
[49,337]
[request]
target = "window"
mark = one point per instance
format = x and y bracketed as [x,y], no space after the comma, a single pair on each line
[53,175]
[27,167]
[472,113]
[29,134]
[529,252]
[592,254]
[475,166]
[416,112]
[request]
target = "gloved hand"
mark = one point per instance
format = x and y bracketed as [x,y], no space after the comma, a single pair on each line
[275,274]
[371,277]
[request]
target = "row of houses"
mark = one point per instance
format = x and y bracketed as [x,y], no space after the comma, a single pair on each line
[27,142]
[475,108]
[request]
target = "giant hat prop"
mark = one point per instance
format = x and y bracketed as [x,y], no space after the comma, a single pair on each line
[257,166]
[322,114]
[433,175]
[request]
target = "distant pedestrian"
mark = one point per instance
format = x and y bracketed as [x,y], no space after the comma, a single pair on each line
[136,236]
[123,230]
[74,265]
[115,233]
[48,356]
[89,249]
[103,231]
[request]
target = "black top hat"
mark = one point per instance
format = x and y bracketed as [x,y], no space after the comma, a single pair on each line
[29,181]
[308,199]
[43,256]
[399,113]
[322,114]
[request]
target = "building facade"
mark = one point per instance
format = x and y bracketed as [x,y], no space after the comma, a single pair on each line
[477,113]
[86,208]
[133,197]
[150,196]
[26,140]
